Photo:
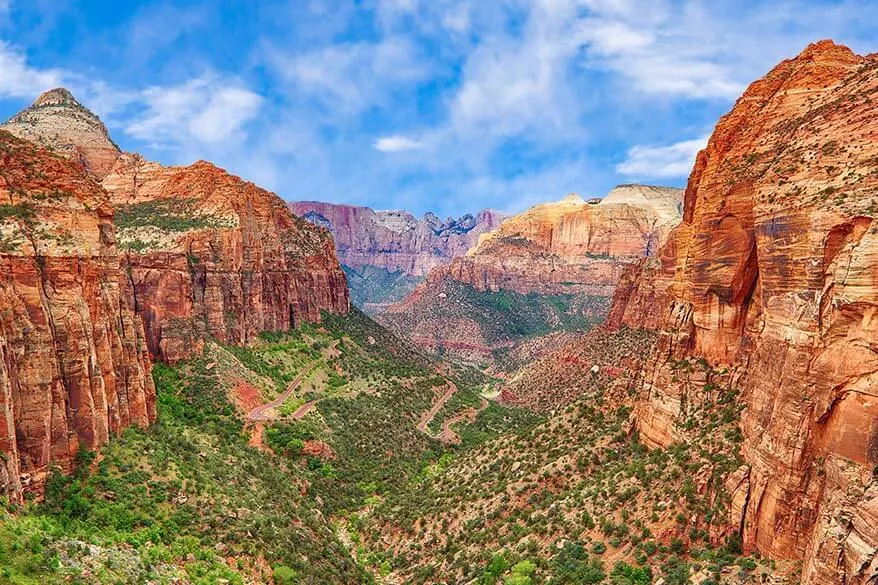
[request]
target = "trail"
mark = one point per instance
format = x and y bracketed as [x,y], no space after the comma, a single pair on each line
[264,412]
[428,416]
[448,435]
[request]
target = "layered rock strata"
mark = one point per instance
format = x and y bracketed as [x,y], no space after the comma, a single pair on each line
[396,241]
[209,254]
[75,368]
[773,275]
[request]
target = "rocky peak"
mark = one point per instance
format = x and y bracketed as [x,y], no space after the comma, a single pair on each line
[59,96]
[827,50]
[57,120]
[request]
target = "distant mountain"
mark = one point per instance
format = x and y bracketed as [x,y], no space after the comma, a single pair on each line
[387,253]
[552,267]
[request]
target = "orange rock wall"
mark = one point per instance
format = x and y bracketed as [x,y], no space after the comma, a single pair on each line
[74,368]
[774,274]
[261,269]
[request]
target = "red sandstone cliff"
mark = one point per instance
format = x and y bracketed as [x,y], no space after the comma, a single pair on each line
[74,364]
[571,245]
[396,240]
[209,254]
[774,274]
[206,253]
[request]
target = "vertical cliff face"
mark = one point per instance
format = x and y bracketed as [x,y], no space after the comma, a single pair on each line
[210,254]
[396,240]
[774,274]
[74,365]
[205,253]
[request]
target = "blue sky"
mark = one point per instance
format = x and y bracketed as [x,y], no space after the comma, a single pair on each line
[442,105]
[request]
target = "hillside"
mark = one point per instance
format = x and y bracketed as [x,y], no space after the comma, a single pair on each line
[215,491]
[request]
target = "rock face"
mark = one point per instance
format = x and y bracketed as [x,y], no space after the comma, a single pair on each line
[556,264]
[773,273]
[386,254]
[58,121]
[211,254]
[206,253]
[75,368]
[572,245]
[90,244]
[396,241]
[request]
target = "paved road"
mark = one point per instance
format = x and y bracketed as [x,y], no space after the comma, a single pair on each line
[437,406]
[264,411]
[448,435]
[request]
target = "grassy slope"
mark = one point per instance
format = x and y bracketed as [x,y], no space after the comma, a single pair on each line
[189,499]
[577,499]
[371,285]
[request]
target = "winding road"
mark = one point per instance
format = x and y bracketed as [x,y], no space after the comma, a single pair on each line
[263,412]
[428,416]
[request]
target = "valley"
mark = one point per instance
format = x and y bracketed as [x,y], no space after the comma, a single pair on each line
[202,383]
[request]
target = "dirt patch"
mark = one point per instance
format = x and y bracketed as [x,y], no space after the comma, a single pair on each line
[246,396]
[318,449]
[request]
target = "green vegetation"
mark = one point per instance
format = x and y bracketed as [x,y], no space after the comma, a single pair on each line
[571,492]
[176,501]
[188,500]
[172,215]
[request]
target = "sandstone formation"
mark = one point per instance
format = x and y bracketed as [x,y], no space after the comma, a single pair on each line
[56,120]
[557,265]
[571,245]
[773,275]
[209,254]
[396,241]
[75,368]
[386,254]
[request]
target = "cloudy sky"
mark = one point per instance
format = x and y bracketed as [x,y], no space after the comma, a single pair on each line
[442,105]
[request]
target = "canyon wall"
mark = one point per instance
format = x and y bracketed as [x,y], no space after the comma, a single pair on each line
[396,241]
[75,368]
[110,260]
[773,275]
[206,253]
[209,254]
[571,245]
[556,265]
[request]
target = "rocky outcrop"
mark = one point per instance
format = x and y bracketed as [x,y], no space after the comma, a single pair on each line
[396,241]
[773,275]
[56,120]
[209,254]
[74,367]
[206,253]
[572,245]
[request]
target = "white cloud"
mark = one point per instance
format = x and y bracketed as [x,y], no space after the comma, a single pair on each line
[396,143]
[20,80]
[674,160]
[209,110]
[351,77]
